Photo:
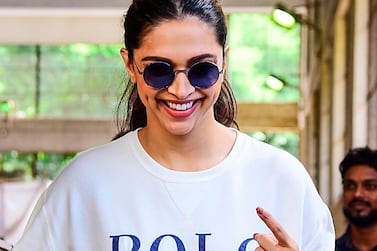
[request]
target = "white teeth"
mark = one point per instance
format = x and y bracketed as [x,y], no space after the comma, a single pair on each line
[180,107]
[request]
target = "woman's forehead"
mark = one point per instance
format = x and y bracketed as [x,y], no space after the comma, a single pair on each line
[172,38]
[180,29]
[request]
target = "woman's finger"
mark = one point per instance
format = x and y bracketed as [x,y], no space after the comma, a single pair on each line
[266,241]
[282,237]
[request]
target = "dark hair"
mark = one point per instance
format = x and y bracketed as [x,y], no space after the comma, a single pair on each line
[358,156]
[141,17]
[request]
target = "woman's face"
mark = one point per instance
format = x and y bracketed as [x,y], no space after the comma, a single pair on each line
[181,108]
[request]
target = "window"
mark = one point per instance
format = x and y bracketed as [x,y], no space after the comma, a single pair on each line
[71,81]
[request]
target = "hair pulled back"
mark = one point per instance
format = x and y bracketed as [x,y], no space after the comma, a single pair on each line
[144,15]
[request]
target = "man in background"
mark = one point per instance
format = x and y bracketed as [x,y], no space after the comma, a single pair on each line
[359,177]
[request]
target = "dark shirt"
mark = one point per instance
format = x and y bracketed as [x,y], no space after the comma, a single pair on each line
[344,243]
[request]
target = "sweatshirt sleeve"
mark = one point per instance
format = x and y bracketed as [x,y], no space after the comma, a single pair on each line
[37,233]
[318,232]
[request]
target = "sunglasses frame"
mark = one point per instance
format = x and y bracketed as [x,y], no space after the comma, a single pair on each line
[175,72]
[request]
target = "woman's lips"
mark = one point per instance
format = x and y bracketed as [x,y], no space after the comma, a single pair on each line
[181,109]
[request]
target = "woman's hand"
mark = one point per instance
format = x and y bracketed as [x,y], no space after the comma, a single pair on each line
[279,240]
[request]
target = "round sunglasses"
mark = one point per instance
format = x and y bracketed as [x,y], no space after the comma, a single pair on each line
[160,75]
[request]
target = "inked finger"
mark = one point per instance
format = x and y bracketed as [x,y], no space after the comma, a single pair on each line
[278,231]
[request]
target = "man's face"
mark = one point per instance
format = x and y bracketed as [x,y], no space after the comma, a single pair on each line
[360,195]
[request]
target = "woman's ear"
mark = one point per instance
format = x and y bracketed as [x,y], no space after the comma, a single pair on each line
[128,64]
[226,51]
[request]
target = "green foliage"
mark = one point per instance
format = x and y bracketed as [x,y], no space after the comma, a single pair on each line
[258,48]
[76,80]
[32,165]
[288,141]
[92,71]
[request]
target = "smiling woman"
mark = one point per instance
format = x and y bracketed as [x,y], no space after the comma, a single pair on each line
[179,175]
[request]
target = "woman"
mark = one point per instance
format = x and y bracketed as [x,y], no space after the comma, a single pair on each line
[179,176]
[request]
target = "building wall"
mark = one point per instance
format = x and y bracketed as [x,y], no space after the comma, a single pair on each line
[342,86]
[372,90]
[360,69]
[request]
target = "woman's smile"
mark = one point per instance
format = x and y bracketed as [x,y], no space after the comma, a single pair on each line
[181,109]
[180,106]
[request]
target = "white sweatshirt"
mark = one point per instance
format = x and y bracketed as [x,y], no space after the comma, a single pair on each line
[116,197]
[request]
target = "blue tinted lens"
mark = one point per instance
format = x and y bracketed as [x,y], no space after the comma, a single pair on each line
[203,75]
[160,75]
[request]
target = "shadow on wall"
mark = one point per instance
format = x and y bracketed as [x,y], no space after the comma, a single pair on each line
[340,221]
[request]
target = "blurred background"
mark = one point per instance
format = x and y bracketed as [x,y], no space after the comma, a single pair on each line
[307,84]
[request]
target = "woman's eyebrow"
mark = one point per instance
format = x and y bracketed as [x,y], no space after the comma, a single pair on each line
[201,57]
[190,61]
[155,58]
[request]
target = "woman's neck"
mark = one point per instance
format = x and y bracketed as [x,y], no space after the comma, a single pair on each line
[196,151]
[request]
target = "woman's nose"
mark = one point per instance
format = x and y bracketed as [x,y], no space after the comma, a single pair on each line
[181,86]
